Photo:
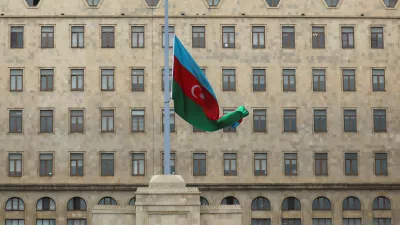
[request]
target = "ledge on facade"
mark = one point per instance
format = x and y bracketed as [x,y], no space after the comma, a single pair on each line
[220,209]
[114,209]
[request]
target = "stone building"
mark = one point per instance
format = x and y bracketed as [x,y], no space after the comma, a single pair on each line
[81,108]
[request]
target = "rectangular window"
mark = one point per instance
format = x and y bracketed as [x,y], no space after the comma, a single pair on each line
[289,120]
[382,221]
[319,82]
[172,163]
[352,221]
[259,80]
[228,37]
[171,32]
[46,222]
[138,124]
[107,164]
[320,221]
[289,79]
[46,79]
[107,37]
[137,36]
[46,121]
[288,37]
[259,120]
[349,80]
[320,123]
[291,221]
[347,37]
[379,120]
[378,80]
[77,80]
[198,37]
[138,160]
[228,128]
[107,120]
[290,164]
[381,167]
[15,222]
[321,164]
[76,222]
[77,36]
[230,167]
[47,37]
[137,80]
[17,37]
[318,37]
[260,164]
[351,163]
[15,164]
[229,79]
[107,79]
[377,37]
[16,81]
[171,120]
[260,221]
[350,120]
[199,164]
[76,164]
[46,165]
[258,36]
[169,79]
[76,121]
[15,122]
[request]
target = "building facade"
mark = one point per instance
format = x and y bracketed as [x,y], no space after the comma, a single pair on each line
[82,99]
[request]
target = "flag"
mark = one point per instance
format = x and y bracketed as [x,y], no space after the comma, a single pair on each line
[194,98]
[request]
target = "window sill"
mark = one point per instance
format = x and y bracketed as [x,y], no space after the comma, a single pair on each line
[16,133]
[76,133]
[46,133]
[77,90]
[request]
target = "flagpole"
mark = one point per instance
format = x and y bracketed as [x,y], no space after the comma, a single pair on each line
[166,121]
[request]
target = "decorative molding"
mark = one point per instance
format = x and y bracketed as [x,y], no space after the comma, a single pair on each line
[115,207]
[217,207]
[143,190]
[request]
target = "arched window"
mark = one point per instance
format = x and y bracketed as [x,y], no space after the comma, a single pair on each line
[203,201]
[260,203]
[291,204]
[351,203]
[76,204]
[15,204]
[381,203]
[321,203]
[132,201]
[107,201]
[230,201]
[46,204]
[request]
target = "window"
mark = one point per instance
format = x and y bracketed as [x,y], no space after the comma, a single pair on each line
[203,201]
[46,79]
[379,120]
[290,164]
[138,123]
[378,80]
[321,164]
[350,120]
[390,4]
[107,80]
[259,120]
[319,83]
[381,203]
[132,201]
[229,79]
[137,80]
[228,37]
[351,221]
[199,164]
[198,37]
[77,80]
[291,204]
[46,222]
[230,201]
[347,37]
[107,121]
[320,123]
[171,32]
[228,128]
[137,36]
[377,37]
[46,121]
[289,79]
[321,203]
[16,82]
[93,3]
[152,2]
[76,221]
[15,123]
[76,160]
[332,3]
[351,203]
[213,2]
[349,80]
[76,204]
[318,37]
[260,164]
[46,204]
[15,164]
[17,36]
[291,221]
[77,36]
[171,120]
[171,163]
[259,80]
[230,168]
[15,204]
[321,221]
[351,163]
[138,164]
[107,201]
[273,3]
[15,222]
[107,164]
[46,165]
[76,121]
[107,37]
[261,203]
[289,120]
[288,37]
[48,37]
[260,221]
[382,221]
[258,36]
[381,167]
[169,80]
[32,3]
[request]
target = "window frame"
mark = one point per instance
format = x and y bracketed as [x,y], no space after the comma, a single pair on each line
[258,75]
[229,34]
[138,34]
[231,161]
[108,76]
[374,41]
[77,174]
[17,78]
[259,161]
[349,89]
[291,164]
[172,128]
[289,117]
[319,87]
[258,35]
[352,118]
[172,160]
[231,84]
[138,73]
[48,40]
[289,74]
[105,173]
[199,163]
[49,82]
[47,162]
[320,164]
[77,36]
[349,159]
[16,120]
[290,36]
[318,44]
[380,114]
[74,127]
[201,42]
[321,119]
[77,76]
[47,119]
[137,118]
[15,173]
[346,45]
[170,36]
[17,35]
[108,118]
[106,36]
[384,169]
[138,163]
[19,207]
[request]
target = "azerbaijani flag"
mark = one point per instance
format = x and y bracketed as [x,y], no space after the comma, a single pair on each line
[194,98]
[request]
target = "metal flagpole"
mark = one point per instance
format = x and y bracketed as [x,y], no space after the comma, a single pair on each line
[166,94]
